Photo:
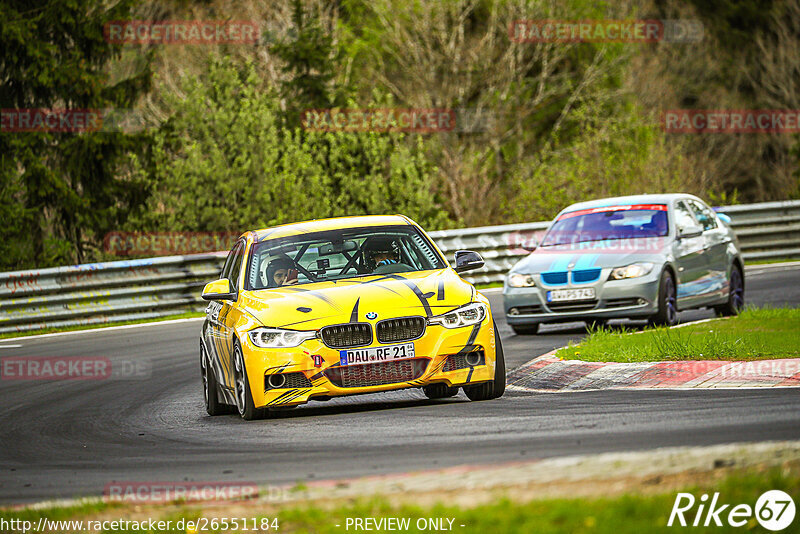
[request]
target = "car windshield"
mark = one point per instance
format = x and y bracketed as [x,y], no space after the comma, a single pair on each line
[610,222]
[339,254]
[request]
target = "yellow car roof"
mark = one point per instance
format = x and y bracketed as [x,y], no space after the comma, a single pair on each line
[321,225]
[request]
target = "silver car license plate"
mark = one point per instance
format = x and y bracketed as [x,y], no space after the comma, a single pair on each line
[563,295]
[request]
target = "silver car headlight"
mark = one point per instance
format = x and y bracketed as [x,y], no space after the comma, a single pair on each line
[277,338]
[520,280]
[470,314]
[634,270]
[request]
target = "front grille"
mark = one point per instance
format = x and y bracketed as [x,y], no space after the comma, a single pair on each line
[585,275]
[293,380]
[555,278]
[345,336]
[459,361]
[621,303]
[377,374]
[572,306]
[402,329]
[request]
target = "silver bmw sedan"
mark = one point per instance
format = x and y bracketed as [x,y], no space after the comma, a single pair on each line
[637,257]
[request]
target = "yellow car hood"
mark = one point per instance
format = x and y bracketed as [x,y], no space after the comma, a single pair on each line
[312,306]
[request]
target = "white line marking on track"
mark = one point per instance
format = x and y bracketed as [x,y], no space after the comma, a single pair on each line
[110,328]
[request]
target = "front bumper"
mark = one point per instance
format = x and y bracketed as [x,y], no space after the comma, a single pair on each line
[632,298]
[316,372]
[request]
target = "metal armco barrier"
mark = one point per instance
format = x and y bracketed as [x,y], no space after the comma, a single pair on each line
[135,290]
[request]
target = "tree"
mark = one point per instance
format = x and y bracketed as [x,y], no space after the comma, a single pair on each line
[225,162]
[61,189]
[309,61]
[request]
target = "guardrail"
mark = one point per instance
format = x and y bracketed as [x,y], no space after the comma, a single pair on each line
[134,290]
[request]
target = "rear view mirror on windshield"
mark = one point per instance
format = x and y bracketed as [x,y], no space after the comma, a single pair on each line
[338,248]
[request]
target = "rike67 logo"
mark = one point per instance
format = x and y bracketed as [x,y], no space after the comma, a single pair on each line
[774,510]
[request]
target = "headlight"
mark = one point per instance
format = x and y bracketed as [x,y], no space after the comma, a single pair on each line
[464,316]
[633,270]
[276,338]
[520,280]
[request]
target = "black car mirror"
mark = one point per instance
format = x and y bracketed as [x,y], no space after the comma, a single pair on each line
[689,231]
[467,260]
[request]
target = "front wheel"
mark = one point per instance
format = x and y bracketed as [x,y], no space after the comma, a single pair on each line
[735,301]
[667,314]
[244,397]
[495,388]
[440,391]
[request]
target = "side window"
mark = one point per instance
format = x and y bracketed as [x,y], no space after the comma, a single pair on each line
[226,267]
[683,217]
[236,264]
[704,215]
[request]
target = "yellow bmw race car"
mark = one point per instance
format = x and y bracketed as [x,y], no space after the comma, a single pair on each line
[319,309]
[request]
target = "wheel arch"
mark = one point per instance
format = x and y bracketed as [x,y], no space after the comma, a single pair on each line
[670,268]
[737,262]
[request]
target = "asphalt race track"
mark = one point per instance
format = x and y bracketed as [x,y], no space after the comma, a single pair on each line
[71,438]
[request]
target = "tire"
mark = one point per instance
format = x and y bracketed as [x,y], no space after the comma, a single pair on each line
[496,387]
[735,301]
[525,330]
[440,391]
[244,397]
[210,387]
[667,314]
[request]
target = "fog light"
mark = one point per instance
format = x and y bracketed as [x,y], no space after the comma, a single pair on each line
[474,358]
[641,302]
[276,381]
[513,311]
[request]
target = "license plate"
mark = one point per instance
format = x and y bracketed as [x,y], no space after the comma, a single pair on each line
[562,295]
[376,354]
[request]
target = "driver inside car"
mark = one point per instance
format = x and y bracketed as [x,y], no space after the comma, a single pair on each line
[382,255]
[278,272]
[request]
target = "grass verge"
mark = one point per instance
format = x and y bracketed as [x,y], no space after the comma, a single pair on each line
[185,315]
[756,334]
[630,512]
[771,261]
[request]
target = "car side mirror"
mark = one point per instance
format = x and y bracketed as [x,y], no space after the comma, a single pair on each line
[689,231]
[530,245]
[221,289]
[467,260]
[724,218]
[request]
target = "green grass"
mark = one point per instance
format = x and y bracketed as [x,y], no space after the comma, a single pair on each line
[770,261]
[185,315]
[756,334]
[633,512]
